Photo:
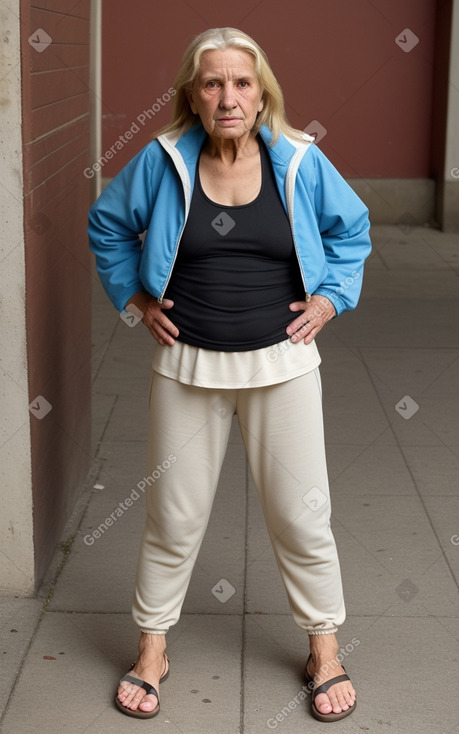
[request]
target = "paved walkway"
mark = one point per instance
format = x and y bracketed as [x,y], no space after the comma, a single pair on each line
[391,382]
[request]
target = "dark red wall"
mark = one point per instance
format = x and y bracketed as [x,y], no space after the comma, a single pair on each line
[58,303]
[337,62]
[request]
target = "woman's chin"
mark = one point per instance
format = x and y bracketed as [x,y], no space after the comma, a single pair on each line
[229,133]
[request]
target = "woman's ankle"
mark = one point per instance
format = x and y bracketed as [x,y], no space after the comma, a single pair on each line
[323,645]
[152,643]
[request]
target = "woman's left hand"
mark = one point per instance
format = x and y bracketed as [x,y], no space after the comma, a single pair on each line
[314,316]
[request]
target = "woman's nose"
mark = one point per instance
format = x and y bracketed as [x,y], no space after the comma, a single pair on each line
[227,98]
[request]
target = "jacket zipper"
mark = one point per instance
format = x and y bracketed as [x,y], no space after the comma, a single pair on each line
[289,193]
[186,183]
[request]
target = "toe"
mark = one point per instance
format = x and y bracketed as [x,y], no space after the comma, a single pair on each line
[322,703]
[350,695]
[142,701]
[148,703]
[337,701]
[336,705]
[341,698]
[126,693]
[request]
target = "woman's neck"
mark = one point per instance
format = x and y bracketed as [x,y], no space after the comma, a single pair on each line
[228,150]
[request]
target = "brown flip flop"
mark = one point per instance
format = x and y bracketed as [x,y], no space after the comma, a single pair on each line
[323,689]
[138,713]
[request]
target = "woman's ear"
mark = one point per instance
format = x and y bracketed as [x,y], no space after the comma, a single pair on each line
[261,105]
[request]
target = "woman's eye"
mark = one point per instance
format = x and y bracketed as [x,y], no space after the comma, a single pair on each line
[244,85]
[212,85]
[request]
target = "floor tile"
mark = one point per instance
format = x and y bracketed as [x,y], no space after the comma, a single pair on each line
[435,469]
[18,620]
[85,655]
[382,660]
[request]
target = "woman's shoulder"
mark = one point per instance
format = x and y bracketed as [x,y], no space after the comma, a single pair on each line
[153,151]
[287,144]
[186,142]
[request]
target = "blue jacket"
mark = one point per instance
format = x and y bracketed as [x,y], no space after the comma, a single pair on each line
[153,192]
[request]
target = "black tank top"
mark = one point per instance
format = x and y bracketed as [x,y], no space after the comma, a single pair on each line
[236,271]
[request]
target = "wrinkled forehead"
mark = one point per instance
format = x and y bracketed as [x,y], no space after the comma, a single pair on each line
[226,63]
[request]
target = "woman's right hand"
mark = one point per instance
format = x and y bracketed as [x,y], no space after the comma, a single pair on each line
[162,328]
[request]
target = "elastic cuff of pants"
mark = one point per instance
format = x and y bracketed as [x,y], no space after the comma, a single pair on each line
[153,632]
[330,631]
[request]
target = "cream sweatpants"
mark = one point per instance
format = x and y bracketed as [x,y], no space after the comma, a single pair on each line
[282,430]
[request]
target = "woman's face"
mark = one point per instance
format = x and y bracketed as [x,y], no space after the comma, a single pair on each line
[226,93]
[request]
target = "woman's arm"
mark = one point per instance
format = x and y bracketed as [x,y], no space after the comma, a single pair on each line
[116,221]
[342,219]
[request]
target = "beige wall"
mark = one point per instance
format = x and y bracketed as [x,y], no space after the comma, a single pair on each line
[16,537]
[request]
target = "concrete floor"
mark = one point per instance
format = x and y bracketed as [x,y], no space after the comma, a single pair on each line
[391,382]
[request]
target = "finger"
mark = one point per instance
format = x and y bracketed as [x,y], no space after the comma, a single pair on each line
[311,335]
[167,325]
[308,330]
[154,317]
[163,330]
[298,324]
[297,306]
[302,332]
[161,335]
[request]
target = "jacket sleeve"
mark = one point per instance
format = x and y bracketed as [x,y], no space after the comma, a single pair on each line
[344,226]
[116,221]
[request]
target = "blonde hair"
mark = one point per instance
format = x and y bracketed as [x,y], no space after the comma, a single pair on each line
[273,112]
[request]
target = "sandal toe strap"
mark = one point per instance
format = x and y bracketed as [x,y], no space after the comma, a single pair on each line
[328,684]
[141,683]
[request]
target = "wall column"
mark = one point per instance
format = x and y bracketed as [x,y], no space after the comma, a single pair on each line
[16,521]
[450,189]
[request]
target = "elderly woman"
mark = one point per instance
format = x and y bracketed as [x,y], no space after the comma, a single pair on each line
[253,242]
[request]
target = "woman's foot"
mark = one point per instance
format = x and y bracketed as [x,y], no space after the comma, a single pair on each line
[323,666]
[151,665]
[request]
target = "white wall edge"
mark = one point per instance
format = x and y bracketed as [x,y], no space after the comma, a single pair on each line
[451,172]
[16,519]
[95,84]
